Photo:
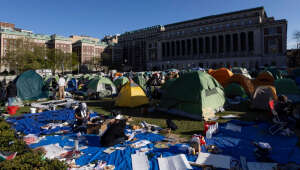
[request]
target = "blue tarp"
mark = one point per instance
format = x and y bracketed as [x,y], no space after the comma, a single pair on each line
[235,144]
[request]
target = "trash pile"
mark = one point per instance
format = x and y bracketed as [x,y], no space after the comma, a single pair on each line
[143,147]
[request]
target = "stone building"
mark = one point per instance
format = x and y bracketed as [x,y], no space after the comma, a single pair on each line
[88,50]
[76,38]
[61,43]
[9,38]
[246,38]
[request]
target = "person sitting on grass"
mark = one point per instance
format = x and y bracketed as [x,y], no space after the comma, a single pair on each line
[82,115]
[115,133]
[282,108]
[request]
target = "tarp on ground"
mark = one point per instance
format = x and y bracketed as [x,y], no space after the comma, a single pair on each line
[262,96]
[233,90]
[222,75]
[102,85]
[234,144]
[243,81]
[30,85]
[193,95]
[131,95]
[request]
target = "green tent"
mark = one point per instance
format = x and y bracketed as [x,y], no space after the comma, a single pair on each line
[140,80]
[286,87]
[196,95]
[233,89]
[29,86]
[102,85]
[121,81]
[168,83]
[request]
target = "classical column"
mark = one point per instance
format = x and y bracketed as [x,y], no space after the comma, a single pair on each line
[232,44]
[239,44]
[217,45]
[247,43]
[203,46]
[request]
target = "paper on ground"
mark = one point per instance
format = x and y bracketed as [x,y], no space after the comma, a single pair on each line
[53,151]
[139,161]
[218,161]
[140,143]
[109,150]
[177,162]
[230,116]
[261,165]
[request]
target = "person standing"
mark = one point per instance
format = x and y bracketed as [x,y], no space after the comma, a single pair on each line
[11,93]
[61,87]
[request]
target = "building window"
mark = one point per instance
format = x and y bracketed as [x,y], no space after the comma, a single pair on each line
[250,21]
[243,41]
[251,40]
[272,30]
[235,42]
[227,25]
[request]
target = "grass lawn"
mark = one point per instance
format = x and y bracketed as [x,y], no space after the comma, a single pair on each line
[186,127]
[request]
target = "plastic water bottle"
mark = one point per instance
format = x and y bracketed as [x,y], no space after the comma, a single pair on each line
[209,133]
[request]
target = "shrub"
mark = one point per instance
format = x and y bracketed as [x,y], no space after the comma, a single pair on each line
[26,158]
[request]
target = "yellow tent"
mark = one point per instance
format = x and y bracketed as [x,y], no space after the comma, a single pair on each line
[131,95]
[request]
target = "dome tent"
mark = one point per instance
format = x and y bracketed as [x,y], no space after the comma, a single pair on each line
[195,95]
[140,80]
[102,85]
[264,78]
[222,75]
[243,81]
[131,95]
[286,86]
[121,81]
[261,97]
[29,86]
[233,89]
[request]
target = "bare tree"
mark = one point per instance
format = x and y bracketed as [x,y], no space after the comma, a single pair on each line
[297,38]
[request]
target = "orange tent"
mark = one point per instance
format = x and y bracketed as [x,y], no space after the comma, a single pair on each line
[211,71]
[222,75]
[264,78]
[243,81]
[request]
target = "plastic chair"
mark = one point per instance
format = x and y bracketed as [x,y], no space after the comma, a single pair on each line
[278,124]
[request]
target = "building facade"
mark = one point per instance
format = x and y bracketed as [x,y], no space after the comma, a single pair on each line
[88,50]
[60,43]
[247,38]
[9,39]
[76,38]
[110,39]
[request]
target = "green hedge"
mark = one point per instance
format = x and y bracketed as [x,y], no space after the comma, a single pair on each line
[26,158]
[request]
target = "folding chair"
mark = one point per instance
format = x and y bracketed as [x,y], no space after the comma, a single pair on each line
[278,124]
